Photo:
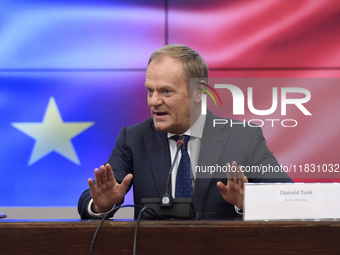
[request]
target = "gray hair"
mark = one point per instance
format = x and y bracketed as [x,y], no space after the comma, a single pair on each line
[194,64]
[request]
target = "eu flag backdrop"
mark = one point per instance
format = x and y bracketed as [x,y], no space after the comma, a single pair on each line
[71,75]
[48,168]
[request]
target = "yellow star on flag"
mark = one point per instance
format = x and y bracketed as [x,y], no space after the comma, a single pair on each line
[52,134]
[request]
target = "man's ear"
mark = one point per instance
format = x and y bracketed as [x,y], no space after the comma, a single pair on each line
[198,90]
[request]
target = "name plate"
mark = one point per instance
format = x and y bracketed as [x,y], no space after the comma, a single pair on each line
[288,201]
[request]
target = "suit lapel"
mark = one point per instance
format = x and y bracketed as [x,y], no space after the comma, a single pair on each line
[159,157]
[212,146]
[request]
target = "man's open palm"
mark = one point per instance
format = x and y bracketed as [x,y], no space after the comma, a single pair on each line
[106,191]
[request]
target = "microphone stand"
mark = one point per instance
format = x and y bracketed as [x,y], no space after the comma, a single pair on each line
[167,206]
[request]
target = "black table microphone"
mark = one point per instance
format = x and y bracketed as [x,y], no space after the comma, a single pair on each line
[167,206]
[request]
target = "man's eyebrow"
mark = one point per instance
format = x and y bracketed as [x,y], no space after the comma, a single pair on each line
[161,87]
[165,87]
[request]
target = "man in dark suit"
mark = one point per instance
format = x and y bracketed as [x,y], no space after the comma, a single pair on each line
[144,152]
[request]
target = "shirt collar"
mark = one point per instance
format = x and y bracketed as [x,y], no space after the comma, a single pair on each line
[195,130]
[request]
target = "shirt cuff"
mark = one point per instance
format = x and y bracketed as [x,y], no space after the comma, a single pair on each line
[96,215]
[238,210]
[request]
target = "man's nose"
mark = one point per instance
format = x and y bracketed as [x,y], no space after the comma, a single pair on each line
[155,99]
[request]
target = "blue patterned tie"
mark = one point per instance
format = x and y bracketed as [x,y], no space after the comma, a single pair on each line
[183,180]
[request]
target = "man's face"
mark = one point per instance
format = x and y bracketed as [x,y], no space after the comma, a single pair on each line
[168,96]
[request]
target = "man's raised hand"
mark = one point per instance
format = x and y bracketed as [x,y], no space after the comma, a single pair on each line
[107,191]
[233,193]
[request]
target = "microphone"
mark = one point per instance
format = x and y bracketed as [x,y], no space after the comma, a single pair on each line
[166,198]
[167,206]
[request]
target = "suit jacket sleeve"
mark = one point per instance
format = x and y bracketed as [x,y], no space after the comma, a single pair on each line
[121,163]
[262,159]
[224,144]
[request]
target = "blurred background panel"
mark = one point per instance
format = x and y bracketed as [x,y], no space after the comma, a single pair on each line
[91,57]
[259,34]
[80,34]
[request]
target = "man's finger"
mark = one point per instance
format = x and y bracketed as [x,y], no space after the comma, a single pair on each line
[125,183]
[103,174]
[240,182]
[240,175]
[97,177]
[230,173]
[222,188]
[235,173]
[110,176]
[91,184]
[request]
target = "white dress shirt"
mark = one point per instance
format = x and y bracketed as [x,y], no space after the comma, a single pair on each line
[194,145]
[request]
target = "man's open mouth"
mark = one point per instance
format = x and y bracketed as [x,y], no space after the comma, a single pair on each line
[161,113]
